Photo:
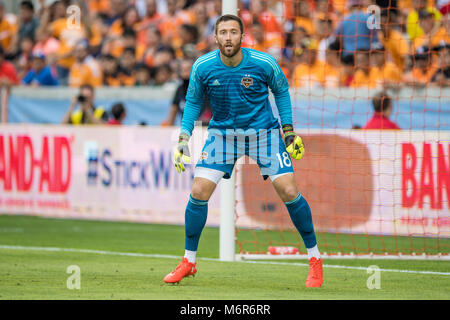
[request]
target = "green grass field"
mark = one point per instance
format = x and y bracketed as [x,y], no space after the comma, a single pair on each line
[129,261]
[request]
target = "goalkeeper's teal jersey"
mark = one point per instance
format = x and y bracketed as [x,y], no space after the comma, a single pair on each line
[239,96]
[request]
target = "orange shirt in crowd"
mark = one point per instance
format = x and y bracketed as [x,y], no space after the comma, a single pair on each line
[306,75]
[267,19]
[99,6]
[389,73]
[271,40]
[117,50]
[433,41]
[144,24]
[364,79]
[88,71]
[7,30]
[307,24]
[419,75]
[397,45]
[332,76]
[169,26]
[127,80]
[111,81]
[68,37]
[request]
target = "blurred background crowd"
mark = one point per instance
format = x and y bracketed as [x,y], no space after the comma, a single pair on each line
[338,43]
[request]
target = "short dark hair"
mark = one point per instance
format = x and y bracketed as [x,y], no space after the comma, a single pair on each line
[87,86]
[130,50]
[117,110]
[381,101]
[189,28]
[228,17]
[27,4]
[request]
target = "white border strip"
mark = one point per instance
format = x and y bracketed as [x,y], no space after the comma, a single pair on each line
[149,255]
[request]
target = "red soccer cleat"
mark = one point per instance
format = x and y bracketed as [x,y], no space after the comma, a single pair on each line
[315,275]
[184,269]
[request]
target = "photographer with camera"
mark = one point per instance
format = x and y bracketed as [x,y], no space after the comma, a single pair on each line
[87,113]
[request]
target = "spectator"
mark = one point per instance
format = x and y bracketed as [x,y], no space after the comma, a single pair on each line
[393,40]
[171,22]
[40,73]
[110,70]
[99,7]
[324,10]
[127,63]
[118,113]
[153,45]
[102,29]
[46,43]
[152,18]
[8,73]
[88,113]
[23,60]
[310,72]
[85,70]
[256,39]
[117,11]
[304,18]
[363,75]
[54,20]
[127,40]
[413,27]
[130,20]
[162,74]
[422,71]
[382,106]
[293,48]
[333,71]
[442,75]
[384,73]
[348,70]
[7,30]
[204,26]
[353,32]
[324,33]
[179,99]
[164,55]
[143,75]
[188,41]
[28,24]
[433,32]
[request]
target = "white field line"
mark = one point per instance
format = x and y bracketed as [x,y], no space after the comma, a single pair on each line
[149,255]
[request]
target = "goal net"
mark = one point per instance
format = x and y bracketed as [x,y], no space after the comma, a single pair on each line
[373,193]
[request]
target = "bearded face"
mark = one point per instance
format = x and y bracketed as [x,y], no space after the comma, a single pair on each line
[229,38]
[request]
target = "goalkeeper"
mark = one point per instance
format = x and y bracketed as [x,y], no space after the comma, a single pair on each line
[236,81]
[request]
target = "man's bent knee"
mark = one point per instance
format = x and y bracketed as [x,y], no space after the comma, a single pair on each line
[202,189]
[288,193]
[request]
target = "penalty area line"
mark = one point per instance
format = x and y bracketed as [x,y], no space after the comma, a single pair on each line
[152,255]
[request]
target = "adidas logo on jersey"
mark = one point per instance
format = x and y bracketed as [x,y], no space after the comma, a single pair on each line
[216,83]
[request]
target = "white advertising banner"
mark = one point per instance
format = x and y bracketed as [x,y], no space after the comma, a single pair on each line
[390,182]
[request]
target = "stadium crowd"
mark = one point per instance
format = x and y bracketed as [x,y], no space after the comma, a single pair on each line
[144,42]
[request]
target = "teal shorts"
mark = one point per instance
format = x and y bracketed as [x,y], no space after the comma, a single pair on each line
[265,147]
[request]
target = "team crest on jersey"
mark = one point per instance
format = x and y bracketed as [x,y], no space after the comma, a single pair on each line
[204,155]
[247,81]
